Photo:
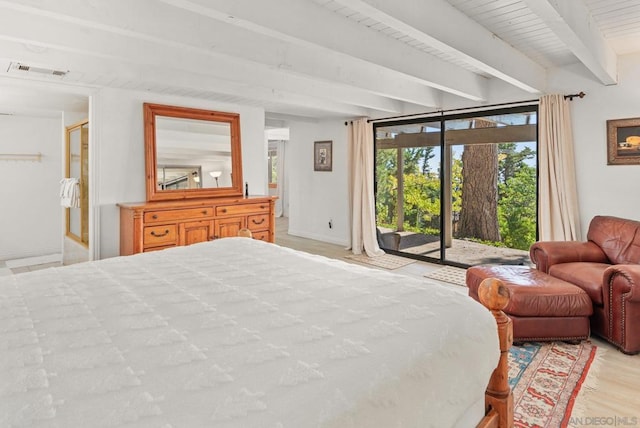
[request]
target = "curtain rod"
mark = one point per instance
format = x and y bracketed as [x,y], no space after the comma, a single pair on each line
[570,97]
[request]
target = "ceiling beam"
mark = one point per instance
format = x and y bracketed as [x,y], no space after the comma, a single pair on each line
[493,135]
[310,25]
[261,60]
[156,75]
[87,54]
[432,22]
[571,21]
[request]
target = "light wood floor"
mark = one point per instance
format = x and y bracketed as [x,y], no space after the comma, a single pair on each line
[339,252]
[610,393]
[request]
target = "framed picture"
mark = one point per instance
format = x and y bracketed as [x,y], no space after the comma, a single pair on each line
[623,142]
[322,157]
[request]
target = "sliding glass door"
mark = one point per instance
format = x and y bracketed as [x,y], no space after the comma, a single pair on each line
[459,189]
[408,188]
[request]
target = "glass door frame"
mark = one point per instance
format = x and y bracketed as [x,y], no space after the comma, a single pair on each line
[83,128]
[445,167]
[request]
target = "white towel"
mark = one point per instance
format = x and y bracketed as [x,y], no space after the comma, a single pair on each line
[70,192]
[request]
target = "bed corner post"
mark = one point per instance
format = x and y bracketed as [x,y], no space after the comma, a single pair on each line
[498,396]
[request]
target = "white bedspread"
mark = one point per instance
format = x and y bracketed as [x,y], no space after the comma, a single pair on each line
[237,333]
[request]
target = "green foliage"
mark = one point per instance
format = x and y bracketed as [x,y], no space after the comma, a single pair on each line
[456,185]
[421,200]
[421,189]
[517,209]
[387,187]
[511,161]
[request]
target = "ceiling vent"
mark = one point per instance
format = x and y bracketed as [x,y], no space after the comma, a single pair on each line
[19,67]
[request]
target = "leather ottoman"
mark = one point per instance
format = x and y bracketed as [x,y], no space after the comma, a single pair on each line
[541,307]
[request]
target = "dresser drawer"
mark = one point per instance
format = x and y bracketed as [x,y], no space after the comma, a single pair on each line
[172,215]
[258,222]
[160,235]
[242,209]
[261,236]
[146,250]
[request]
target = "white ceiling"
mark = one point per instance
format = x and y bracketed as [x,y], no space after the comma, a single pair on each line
[314,58]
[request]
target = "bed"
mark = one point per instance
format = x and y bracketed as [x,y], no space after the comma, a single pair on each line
[239,333]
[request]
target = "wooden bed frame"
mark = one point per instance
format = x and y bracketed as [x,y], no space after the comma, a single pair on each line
[498,396]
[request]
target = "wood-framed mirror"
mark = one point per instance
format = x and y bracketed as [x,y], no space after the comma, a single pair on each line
[205,144]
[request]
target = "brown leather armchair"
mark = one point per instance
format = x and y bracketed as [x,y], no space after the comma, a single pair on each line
[607,267]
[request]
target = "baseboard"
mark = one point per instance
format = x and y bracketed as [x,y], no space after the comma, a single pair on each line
[318,237]
[32,261]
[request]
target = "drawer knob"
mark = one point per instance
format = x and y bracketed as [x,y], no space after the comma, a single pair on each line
[204,212]
[155,216]
[224,210]
[159,235]
[257,222]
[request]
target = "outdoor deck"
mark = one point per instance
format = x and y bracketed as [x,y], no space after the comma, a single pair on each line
[461,251]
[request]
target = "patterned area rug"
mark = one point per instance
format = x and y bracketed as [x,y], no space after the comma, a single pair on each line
[386,261]
[545,379]
[449,274]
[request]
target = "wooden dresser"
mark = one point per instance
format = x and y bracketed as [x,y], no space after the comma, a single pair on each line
[148,226]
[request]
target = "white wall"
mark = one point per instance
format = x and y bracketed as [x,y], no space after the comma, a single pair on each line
[316,197]
[119,134]
[602,189]
[31,215]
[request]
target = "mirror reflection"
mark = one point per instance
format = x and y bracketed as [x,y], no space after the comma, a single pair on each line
[179,177]
[192,154]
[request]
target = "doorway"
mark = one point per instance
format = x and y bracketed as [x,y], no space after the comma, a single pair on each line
[277,140]
[35,117]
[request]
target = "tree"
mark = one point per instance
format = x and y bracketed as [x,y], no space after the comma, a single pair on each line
[479,213]
[512,160]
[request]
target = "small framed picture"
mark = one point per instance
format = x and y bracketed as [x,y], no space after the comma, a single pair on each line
[623,142]
[322,157]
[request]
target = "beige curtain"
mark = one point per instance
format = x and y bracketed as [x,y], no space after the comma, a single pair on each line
[361,197]
[558,214]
